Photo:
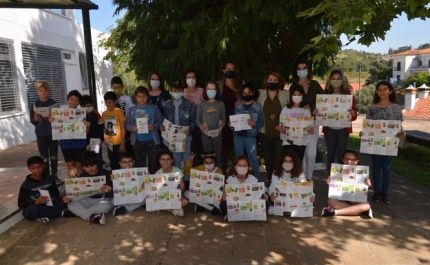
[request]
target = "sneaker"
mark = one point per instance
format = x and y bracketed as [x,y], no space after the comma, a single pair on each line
[215,211]
[179,212]
[328,211]
[226,217]
[43,220]
[198,208]
[67,213]
[384,198]
[376,196]
[271,210]
[119,210]
[370,213]
[287,214]
[98,219]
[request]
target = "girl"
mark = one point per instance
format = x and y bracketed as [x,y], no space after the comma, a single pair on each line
[165,159]
[209,165]
[295,109]
[337,207]
[384,107]
[211,116]
[246,138]
[287,168]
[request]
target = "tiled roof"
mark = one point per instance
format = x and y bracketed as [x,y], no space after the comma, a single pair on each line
[413,52]
[421,110]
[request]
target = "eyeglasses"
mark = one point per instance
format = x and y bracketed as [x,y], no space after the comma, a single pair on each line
[382,90]
[349,159]
[127,162]
[302,68]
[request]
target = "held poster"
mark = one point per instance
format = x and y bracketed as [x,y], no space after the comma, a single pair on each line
[334,110]
[240,122]
[79,188]
[245,202]
[127,185]
[379,137]
[163,191]
[348,183]
[206,187]
[68,123]
[297,129]
[293,198]
[174,136]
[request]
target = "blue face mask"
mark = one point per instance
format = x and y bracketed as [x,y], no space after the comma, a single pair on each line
[177,95]
[211,93]
[302,73]
[155,83]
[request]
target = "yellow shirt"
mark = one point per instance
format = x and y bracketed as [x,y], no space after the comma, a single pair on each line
[113,120]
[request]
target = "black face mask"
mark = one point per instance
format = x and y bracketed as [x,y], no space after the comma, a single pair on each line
[230,74]
[248,98]
[272,86]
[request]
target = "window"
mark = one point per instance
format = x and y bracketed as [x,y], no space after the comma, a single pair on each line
[44,63]
[399,64]
[421,63]
[9,90]
[59,11]
[83,69]
[398,78]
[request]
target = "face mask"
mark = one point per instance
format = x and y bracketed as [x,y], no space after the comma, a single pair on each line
[230,74]
[191,81]
[241,170]
[302,73]
[89,109]
[177,95]
[209,167]
[272,86]
[287,166]
[297,99]
[335,83]
[155,83]
[248,97]
[211,93]
[118,91]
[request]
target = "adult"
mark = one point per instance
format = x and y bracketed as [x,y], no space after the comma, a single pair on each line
[228,86]
[273,98]
[302,74]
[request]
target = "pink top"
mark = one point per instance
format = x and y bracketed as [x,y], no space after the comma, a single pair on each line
[197,97]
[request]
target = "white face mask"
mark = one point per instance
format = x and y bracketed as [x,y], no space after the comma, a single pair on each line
[89,109]
[335,83]
[241,170]
[297,99]
[155,83]
[191,81]
[287,166]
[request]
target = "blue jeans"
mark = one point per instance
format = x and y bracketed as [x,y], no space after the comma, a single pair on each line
[337,143]
[41,210]
[381,162]
[250,144]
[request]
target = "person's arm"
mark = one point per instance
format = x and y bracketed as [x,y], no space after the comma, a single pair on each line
[192,119]
[129,124]
[158,119]
[259,123]
[33,118]
[24,198]
[199,114]
[223,114]
[122,128]
[353,109]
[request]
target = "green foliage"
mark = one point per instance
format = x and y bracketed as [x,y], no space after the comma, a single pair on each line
[423,46]
[364,98]
[400,49]
[380,69]
[418,79]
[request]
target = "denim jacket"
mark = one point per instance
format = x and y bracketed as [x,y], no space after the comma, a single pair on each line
[157,120]
[187,113]
[256,114]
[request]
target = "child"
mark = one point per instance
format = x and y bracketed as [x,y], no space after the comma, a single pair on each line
[114,130]
[165,158]
[209,165]
[180,111]
[295,109]
[94,122]
[247,138]
[93,209]
[241,172]
[29,198]
[287,167]
[126,160]
[337,207]
[211,116]
[48,148]
[144,144]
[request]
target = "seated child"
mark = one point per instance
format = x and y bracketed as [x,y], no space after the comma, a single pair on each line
[126,160]
[337,207]
[93,208]
[29,198]
[209,165]
[165,159]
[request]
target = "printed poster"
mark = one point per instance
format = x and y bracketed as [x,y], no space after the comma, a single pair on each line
[245,202]
[110,125]
[297,129]
[84,187]
[68,123]
[95,145]
[44,111]
[294,198]
[174,136]
[163,191]
[348,183]
[379,137]
[128,185]
[206,187]
[142,125]
[334,110]
[240,122]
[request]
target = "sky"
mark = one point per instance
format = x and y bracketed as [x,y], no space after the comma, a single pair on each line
[402,32]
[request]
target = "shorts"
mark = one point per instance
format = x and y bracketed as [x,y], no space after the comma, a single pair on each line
[72,154]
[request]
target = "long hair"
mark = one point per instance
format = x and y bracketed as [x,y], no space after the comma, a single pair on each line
[237,80]
[232,171]
[159,76]
[281,80]
[184,77]
[294,70]
[218,93]
[293,88]
[345,88]
[392,97]
[278,170]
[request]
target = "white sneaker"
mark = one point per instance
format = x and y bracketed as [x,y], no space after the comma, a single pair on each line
[370,213]
[271,210]
[179,212]
[43,220]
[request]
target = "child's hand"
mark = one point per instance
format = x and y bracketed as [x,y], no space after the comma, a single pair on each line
[266,196]
[221,124]
[328,180]
[203,127]
[192,102]
[280,129]
[87,123]
[111,177]
[312,199]
[51,119]
[315,112]
[352,112]
[191,157]
[37,117]
[401,136]
[360,133]
[134,129]
[105,188]
[311,130]
[224,197]
[273,198]
[368,182]
[183,187]
[187,132]
[66,199]
[42,200]
[142,185]
[88,147]
[251,123]
[237,103]
[307,107]
[122,148]
[150,127]
[161,128]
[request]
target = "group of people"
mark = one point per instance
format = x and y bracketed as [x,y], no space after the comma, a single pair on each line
[202,110]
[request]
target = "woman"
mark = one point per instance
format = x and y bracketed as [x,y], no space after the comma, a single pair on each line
[273,98]
[302,74]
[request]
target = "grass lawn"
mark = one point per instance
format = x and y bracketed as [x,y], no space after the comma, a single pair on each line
[413,162]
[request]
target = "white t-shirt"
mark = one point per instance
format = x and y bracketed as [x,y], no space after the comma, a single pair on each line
[127,101]
[285,177]
[294,113]
[249,180]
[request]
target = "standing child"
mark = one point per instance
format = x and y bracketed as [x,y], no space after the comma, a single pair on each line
[211,116]
[48,148]
[180,111]
[94,122]
[247,138]
[93,209]
[144,144]
[114,129]
[295,109]
[29,198]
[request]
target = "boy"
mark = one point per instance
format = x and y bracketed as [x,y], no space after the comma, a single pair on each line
[48,148]
[29,198]
[126,160]
[114,129]
[93,120]
[93,209]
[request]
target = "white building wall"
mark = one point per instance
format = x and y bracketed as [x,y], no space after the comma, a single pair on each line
[44,27]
